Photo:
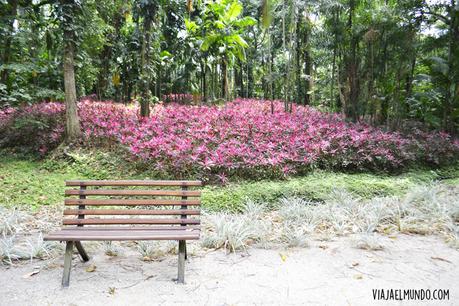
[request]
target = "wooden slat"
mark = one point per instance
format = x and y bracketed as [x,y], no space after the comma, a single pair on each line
[121,235]
[131,212]
[131,183]
[115,192]
[101,221]
[130,202]
[133,228]
[65,232]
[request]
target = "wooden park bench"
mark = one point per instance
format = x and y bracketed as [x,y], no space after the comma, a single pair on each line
[128,210]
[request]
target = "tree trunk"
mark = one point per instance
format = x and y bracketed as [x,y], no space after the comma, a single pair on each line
[144,75]
[351,69]
[299,89]
[225,87]
[204,79]
[308,66]
[13,5]
[72,122]
[250,78]
[452,97]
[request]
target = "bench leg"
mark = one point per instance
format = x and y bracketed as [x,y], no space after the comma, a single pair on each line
[186,252]
[82,251]
[67,264]
[181,261]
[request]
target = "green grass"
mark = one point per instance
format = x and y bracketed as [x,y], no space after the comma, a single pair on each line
[29,183]
[318,185]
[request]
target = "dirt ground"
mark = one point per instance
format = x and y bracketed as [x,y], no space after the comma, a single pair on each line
[325,273]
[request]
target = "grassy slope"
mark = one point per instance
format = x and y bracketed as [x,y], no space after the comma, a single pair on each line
[32,183]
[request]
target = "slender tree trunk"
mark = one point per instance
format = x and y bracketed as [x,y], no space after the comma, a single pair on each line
[332,83]
[159,81]
[308,66]
[238,78]
[452,96]
[13,5]
[250,79]
[72,122]
[144,75]
[299,43]
[203,79]
[225,85]
[352,67]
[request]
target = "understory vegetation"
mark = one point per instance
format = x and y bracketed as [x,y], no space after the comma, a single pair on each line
[30,183]
[293,221]
[242,139]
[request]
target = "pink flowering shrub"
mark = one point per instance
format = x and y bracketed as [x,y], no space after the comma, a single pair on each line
[32,129]
[240,139]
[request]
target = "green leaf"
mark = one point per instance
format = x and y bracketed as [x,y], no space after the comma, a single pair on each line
[165,54]
[219,24]
[234,11]
[440,65]
[240,41]
[208,42]
[245,22]
[190,26]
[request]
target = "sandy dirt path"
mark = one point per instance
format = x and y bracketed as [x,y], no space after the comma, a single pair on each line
[326,273]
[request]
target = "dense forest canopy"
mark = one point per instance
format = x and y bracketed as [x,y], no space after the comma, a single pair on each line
[386,62]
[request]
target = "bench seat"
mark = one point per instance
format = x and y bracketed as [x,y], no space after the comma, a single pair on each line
[120,234]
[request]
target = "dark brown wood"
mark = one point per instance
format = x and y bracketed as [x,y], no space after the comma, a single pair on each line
[132,228]
[122,235]
[113,212]
[102,221]
[181,262]
[115,192]
[67,233]
[132,183]
[67,264]
[183,216]
[82,251]
[130,202]
[81,206]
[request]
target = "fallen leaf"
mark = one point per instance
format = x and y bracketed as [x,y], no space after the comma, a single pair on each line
[358,276]
[323,246]
[441,259]
[91,268]
[34,272]
[283,257]
[111,290]
[355,264]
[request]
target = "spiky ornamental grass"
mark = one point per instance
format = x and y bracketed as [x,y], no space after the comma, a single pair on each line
[293,222]
[16,241]
[236,231]
[155,250]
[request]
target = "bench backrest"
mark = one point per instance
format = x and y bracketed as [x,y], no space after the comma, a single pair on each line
[132,202]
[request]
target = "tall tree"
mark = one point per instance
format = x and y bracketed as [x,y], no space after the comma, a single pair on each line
[69,11]
[12,9]
[147,11]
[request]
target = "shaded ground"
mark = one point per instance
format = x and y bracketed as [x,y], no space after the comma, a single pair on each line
[326,273]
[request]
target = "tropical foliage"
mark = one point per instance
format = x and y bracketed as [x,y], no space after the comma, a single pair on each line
[385,62]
